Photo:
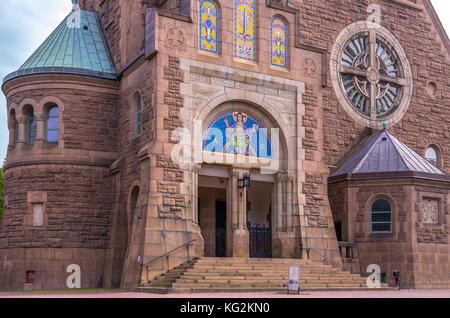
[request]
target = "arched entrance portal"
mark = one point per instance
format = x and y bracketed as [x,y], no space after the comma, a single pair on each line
[238,218]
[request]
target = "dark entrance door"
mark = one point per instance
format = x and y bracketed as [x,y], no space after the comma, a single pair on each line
[221,229]
[260,241]
[338,228]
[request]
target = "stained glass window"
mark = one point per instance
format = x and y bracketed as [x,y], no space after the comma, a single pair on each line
[208,23]
[278,52]
[244,29]
[381,217]
[52,124]
[31,126]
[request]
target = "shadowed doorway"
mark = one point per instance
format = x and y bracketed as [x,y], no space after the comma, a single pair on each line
[221,229]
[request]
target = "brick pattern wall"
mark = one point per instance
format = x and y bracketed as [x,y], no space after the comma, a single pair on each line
[173,199]
[315,200]
[310,122]
[77,208]
[399,216]
[89,117]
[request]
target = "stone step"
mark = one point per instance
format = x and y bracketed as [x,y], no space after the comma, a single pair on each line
[269,278]
[251,275]
[265,271]
[258,274]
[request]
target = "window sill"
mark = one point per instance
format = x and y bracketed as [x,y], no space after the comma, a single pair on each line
[50,144]
[381,235]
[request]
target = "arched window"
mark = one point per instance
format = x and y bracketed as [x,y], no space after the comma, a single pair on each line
[52,124]
[138,115]
[432,156]
[208,26]
[244,29]
[14,124]
[278,47]
[381,216]
[31,126]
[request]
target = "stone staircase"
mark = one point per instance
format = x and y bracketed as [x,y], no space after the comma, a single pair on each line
[209,275]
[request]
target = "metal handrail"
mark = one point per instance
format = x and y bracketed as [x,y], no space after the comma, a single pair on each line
[167,253]
[308,248]
[187,244]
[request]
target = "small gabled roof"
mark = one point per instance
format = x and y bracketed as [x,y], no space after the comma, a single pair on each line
[385,156]
[72,50]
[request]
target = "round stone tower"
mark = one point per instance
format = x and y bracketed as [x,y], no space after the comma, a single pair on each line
[61,107]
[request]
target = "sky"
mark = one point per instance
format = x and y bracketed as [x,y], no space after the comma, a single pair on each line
[25,24]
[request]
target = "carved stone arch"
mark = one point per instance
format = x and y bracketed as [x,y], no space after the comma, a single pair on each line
[46,101]
[259,113]
[21,109]
[12,111]
[252,99]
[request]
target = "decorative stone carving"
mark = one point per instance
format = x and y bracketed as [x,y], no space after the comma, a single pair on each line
[431,225]
[429,211]
[309,67]
[174,37]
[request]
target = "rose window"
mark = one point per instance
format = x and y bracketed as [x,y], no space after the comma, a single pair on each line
[371,75]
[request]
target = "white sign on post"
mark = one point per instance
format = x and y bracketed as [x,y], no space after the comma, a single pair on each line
[294,277]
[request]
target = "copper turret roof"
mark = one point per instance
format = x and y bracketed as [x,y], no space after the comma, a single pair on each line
[77,46]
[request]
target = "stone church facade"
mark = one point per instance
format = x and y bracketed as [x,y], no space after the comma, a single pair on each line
[136,124]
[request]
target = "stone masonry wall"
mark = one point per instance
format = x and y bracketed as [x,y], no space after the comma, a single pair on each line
[77,207]
[320,23]
[89,117]
[169,186]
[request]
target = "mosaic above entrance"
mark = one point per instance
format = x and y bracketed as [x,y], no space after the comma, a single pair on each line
[237,133]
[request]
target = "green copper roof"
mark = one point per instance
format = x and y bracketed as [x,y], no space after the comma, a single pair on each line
[72,50]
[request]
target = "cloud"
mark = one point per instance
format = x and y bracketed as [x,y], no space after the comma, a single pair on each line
[24,25]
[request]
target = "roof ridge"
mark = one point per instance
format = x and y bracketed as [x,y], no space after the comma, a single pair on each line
[396,149]
[422,161]
[364,158]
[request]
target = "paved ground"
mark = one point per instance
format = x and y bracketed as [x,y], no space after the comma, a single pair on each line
[313,294]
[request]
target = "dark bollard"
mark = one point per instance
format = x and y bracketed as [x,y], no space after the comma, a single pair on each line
[396,274]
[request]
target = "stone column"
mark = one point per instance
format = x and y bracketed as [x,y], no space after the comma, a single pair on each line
[12,131]
[194,173]
[239,212]
[289,184]
[22,129]
[199,244]
[40,127]
[279,205]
